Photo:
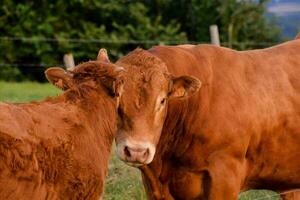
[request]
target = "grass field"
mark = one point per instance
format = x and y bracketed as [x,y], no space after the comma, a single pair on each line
[123,182]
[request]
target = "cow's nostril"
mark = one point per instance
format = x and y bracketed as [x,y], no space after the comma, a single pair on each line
[127,152]
[146,153]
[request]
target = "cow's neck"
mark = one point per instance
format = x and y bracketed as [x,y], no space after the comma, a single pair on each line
[177,133]
[182,123]
[175,139]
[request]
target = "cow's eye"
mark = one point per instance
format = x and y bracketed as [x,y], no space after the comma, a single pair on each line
[121,113]
[163,101]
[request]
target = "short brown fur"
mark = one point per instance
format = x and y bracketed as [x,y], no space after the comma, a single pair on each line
[240,131]
[59,148]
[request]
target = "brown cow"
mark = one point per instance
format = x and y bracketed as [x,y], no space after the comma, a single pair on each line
[59,148]
[240,131]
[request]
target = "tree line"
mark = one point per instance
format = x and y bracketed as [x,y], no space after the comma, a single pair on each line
[35,34]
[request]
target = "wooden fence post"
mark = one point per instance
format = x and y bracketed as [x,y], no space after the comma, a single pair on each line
[214,35]
[161,43]
[69,61]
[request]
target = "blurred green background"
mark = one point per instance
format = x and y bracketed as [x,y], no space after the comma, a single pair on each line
[35,34]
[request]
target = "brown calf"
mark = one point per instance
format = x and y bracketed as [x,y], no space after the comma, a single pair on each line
[59,148]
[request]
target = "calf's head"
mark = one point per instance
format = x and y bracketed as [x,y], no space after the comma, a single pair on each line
[99,74]
[148,87]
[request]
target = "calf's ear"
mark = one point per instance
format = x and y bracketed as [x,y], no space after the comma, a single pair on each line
[113,80]
[59,77]
[102,56]
[184,86]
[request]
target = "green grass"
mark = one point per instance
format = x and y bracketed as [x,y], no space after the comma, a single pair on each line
[123,182]
[27,91]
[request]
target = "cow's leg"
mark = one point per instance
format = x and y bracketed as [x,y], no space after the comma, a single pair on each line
[164,194]
[225,178]
[186,185]
[155,190]
[151,183]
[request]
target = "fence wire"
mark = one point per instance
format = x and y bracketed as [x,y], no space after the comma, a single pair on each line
[108,41]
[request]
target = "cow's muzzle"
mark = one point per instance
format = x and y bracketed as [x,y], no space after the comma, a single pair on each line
[135,154]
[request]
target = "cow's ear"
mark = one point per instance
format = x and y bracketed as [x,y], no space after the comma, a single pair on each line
[59,77]
[184,86]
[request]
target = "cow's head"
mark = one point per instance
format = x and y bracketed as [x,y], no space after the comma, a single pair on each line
[99,73]
[148,87]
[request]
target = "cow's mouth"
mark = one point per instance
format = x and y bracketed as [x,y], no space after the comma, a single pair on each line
[134,164]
